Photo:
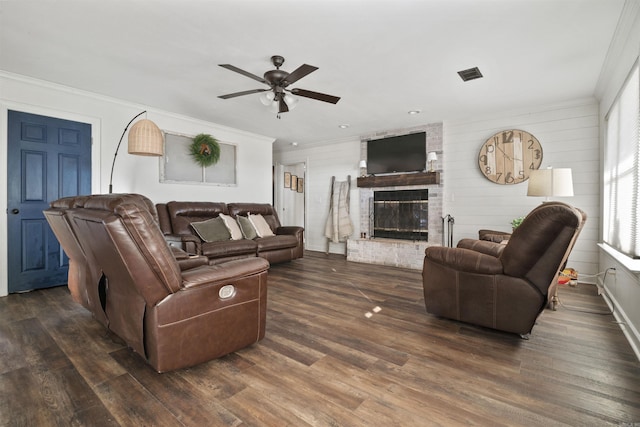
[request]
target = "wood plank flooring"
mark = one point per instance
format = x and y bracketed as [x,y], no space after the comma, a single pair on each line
[325,363]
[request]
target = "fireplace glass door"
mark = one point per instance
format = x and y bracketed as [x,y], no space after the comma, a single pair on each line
[401,214]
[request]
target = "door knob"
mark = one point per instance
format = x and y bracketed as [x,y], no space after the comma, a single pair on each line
[15,211]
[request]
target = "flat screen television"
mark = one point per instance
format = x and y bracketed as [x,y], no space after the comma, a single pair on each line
[403,153]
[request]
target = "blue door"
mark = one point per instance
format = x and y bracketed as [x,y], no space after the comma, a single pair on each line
[48,158]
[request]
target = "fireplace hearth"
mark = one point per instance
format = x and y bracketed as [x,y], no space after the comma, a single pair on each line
[401,214]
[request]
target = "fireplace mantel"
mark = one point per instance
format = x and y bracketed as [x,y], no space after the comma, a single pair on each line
[398,180]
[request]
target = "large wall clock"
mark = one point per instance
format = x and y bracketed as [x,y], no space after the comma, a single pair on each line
[509,156]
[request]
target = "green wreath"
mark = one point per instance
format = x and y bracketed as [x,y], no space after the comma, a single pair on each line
[205,150]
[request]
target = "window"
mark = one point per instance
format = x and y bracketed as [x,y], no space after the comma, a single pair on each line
[178,166]
[621,169]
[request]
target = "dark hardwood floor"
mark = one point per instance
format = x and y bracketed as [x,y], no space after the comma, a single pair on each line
[324,362]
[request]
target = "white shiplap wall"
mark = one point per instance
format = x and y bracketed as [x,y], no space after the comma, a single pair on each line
[338,159]
[568,133]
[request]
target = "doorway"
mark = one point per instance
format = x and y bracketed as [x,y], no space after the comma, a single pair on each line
[48,158]
[290,196]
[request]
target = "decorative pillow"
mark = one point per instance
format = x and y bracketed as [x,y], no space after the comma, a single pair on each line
[261,226]
[211,230]
[232,226]
[246,227]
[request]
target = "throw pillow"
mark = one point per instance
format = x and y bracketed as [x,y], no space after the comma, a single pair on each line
[261,226]
[246,227]
[211,230]
[232,226]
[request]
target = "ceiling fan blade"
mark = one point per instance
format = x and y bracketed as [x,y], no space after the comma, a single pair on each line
[245,92]
[316,95]
[244,73]
[299,73]
[283,107]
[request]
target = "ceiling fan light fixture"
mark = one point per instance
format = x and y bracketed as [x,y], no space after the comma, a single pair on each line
[291,101]
[267,98]
[278,80]
[274,107]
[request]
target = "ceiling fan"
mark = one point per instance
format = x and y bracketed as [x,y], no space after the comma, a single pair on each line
[278,81]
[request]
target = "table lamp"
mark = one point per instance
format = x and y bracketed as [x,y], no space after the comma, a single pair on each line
[431,158]
[550,183]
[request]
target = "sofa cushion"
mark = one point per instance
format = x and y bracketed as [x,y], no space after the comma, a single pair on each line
[212,230]
[281,241]
[229,248]
[265,209]
[248,231]
[261,226]
[232,226]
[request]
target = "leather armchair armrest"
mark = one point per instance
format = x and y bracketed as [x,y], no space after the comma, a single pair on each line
[298,233]
[189,243]
[493,235]
[213,274]
[482,246]
[462,259]
[192,261]
[293,230]
[187,261]
[178,253]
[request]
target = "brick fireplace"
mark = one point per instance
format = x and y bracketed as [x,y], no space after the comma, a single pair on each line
[405,248]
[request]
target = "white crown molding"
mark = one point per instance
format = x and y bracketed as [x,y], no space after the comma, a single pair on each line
[628,18]
[151,110]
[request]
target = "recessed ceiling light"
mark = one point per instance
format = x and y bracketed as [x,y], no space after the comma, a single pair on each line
[343,126]
[295,144]
[414,112]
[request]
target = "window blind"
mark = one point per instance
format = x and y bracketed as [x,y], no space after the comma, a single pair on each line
[621,169]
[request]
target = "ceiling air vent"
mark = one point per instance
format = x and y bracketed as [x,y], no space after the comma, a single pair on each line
[470,74]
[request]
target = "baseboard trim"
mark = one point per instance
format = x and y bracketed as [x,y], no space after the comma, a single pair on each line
[629,331]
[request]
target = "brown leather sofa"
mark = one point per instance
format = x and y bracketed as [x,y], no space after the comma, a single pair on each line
[507,286]
[176,217]
[174,317]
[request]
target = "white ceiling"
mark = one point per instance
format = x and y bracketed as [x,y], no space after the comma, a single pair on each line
[383,57]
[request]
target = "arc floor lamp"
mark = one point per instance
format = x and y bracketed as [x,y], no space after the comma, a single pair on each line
[145,139]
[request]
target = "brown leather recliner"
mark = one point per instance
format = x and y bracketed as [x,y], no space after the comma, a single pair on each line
[504,289]
[84,278]
[486,245]
[173,318]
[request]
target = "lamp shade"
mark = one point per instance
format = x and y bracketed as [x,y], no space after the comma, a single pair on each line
[550,183]
[145,139]
[432,156]
[362,164]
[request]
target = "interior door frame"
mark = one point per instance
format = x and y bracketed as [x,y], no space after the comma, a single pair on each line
[279,187]
[5,106]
